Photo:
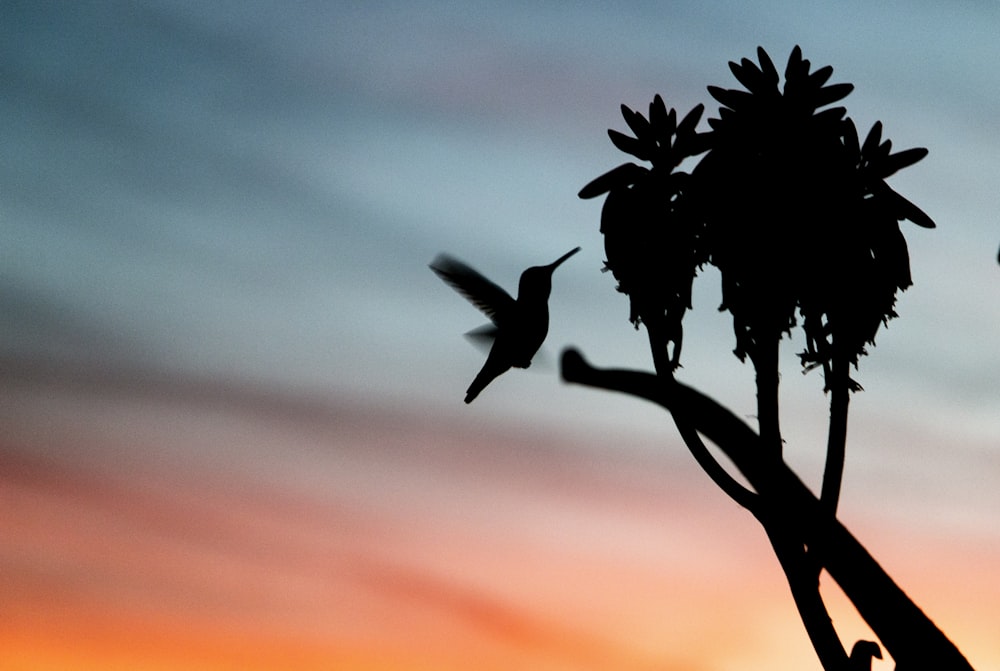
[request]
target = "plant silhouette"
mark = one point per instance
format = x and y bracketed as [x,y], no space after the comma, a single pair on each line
[795,213]
[794,210]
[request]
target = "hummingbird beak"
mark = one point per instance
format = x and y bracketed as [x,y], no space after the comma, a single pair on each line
[555,264]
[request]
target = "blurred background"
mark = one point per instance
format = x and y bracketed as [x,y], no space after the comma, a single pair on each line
[231,424]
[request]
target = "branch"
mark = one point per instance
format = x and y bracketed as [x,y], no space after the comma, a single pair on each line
[575,369]
[711,466]
[699,411]
[664,366]
[803,582]
[800,571]
[912,639]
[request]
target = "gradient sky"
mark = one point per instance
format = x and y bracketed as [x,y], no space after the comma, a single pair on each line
[231,423]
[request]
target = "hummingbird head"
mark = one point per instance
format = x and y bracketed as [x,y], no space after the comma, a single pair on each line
[536,282]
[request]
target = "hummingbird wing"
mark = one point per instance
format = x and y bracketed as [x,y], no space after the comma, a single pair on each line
[492,300]
[483,336]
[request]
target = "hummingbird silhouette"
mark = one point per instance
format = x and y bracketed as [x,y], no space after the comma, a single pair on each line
[519,325]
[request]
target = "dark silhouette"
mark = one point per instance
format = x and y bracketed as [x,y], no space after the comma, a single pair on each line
[862,654]
[794,210]
[519,326]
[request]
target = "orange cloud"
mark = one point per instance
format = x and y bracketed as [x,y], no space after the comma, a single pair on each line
[145,532]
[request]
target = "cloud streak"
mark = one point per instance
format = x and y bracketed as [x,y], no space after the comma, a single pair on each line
[345,534]
[231,389]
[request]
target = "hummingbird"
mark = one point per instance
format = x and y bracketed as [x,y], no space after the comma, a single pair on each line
[519,325]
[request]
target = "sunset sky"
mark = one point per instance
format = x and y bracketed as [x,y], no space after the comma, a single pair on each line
[231,424]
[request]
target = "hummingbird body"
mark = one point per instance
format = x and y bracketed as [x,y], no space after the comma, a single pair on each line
[519,326]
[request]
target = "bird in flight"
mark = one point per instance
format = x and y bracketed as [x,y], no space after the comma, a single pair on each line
[519,325]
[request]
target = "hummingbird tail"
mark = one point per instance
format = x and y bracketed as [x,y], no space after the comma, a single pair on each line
[477,386]
[489,372]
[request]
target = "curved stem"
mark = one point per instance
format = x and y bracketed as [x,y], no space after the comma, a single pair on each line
[804,585]
[803,582]
[912,639]
[833,471]
[719,475]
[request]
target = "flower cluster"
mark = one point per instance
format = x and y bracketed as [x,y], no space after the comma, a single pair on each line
[787,202]
[649,237]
